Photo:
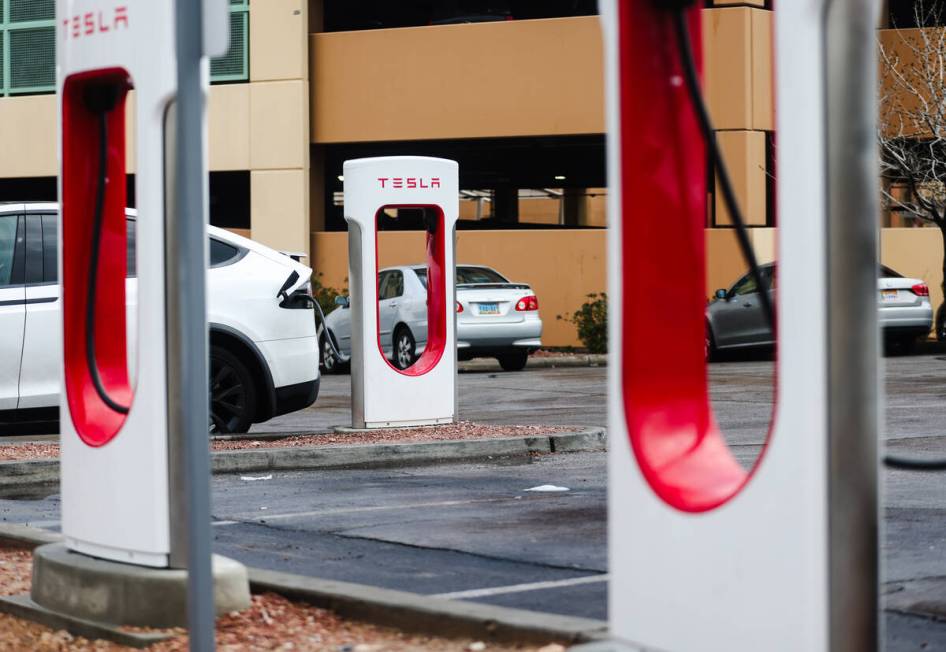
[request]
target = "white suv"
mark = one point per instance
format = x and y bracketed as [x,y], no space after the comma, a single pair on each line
[263,349]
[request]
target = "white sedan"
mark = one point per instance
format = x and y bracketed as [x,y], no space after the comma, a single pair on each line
[495,318]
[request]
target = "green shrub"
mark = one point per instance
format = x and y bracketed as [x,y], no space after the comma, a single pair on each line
[326,295]
[591,321]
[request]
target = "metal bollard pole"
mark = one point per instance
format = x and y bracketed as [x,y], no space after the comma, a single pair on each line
[186,249]
[853,333]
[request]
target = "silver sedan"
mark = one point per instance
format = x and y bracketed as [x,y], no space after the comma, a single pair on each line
[735,319]
[495,318]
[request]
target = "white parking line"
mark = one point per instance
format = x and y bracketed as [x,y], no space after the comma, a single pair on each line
[521,588]
[356,510]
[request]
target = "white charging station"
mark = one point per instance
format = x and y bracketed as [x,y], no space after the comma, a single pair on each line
[115,486]
[704,554]
[424,393]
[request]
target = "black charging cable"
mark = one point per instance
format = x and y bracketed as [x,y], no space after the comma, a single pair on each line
[341,357]
[100,99]
[687,61]
[691,78]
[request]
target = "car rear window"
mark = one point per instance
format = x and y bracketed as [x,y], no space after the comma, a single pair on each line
[886,272]
[476,275]
[467,276]
[221,253]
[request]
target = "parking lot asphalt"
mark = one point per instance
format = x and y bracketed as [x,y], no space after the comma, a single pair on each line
[472,531]
[571,396]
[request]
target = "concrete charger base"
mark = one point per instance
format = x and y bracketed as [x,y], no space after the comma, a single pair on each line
[351,430]
[123,594]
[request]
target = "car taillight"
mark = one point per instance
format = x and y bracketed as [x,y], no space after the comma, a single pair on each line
[921,290]
[526,304]
[459,307]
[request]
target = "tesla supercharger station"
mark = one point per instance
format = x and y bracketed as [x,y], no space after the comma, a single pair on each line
[424,393]
[704,554]
[116,469]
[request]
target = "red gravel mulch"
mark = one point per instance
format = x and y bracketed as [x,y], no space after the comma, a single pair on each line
[450,432]
[31,451]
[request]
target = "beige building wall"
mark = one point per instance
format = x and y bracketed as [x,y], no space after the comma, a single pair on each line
[738,74]
[279,124]
[738,67]
[745,155]
[507,78]
[28,126]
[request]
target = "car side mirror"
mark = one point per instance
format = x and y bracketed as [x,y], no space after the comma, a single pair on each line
[342,301]
[721,294]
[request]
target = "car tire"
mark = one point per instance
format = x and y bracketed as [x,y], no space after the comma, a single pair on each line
[905,345]
[405,348]
[709,345]
[330,362]
[941,323]
[514,361]
[232,393]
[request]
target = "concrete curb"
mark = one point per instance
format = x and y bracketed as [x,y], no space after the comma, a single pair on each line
[40,472]
[406,611]
[23,473]
[26,536]
[420,613]
[21,606]
[917,597]
[543,362]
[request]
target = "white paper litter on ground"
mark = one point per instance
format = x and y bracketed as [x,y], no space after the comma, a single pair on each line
[548,488]
[250,478]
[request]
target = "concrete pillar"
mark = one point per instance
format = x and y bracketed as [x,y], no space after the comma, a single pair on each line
[317,188]
[575,207]
[744,152]
[316,16]
[506,204]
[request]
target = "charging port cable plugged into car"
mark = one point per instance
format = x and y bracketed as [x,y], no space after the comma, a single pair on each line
[292,300]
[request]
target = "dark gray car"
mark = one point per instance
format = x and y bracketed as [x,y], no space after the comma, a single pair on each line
[735,319]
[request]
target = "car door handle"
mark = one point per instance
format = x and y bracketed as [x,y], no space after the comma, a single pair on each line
[393,304]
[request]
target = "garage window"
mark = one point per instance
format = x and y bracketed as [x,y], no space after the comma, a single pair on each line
[28,47]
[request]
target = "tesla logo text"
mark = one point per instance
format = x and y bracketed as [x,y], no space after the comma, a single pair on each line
[91,23]
[409,182]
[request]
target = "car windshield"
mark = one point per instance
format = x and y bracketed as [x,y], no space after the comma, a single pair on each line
[467,275]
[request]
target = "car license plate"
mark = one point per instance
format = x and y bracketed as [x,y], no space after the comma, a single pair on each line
[489,308]
[888,295]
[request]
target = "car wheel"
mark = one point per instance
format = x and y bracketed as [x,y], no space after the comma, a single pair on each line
[232,393]
[941,323]
[709,344]
[905,345]
[514,361]
[404,348]
[330,362]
